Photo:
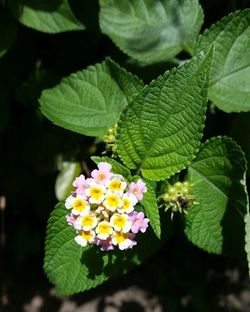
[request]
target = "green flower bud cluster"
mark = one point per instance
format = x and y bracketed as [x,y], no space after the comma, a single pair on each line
[110,139]
[178,197]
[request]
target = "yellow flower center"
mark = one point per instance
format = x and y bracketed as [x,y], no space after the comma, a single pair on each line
[79,204]
[88,220]
[101,176]
[136,191]
[115,185]
[86,235]
[120,221]
[126,204]
[96,192]
[120,237]
[104,228]
[112,200]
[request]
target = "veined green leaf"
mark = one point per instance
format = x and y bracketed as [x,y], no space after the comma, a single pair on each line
[151,31]
[45,15]
[73,268]
[149,203]
[90,101]
[160,130]
[247,237]
[229,86]
[239,127]
[216,223]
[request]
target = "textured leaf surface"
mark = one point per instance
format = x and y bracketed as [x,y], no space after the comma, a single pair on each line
[240,125]
[247,238]
[149,203]
[216,223]
[7,31]
[230,73]
[69,171]
[74,269]
[90,101]
[46,16]
[160,130]
[151,31]
[116,166]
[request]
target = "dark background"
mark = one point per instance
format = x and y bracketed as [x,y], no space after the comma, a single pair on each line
[181,276]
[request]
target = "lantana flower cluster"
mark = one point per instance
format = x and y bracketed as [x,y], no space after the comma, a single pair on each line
[102,209]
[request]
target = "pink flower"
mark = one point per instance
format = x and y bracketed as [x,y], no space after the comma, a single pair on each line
[133,243]
[103,174]
[105,245]
[139,223]
[81,184]
[137,189]
[71,219]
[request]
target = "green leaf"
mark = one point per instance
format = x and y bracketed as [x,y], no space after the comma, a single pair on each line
[247,233]
[90,101]
[160,130]
[239,127]
[74,269]
[247,237]
[151,31]
[46,15]
[149,203]
[7,31]
[216,223]
[68,172]
[229,86]
[116,166]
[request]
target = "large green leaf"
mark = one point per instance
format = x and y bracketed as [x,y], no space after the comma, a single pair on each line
[149,203]
[216,223]
[240,125]
[90,101]
[247,238]
[230,73]
[74,269]
[46,15]
[160,130]
[149,30]
[7,31]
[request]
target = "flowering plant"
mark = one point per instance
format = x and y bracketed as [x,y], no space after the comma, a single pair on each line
[157,171]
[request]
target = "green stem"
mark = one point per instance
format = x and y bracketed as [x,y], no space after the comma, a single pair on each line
[138,171]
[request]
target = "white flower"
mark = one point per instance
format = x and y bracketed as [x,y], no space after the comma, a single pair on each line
[96,193]
[85,237]
[122,240]
[117,184]
[121,222]
[86,223]
[78,204]
[112,201]
[103,230]
[128,203]
[69,201]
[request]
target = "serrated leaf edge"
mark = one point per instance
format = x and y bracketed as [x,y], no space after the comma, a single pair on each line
[168,72]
